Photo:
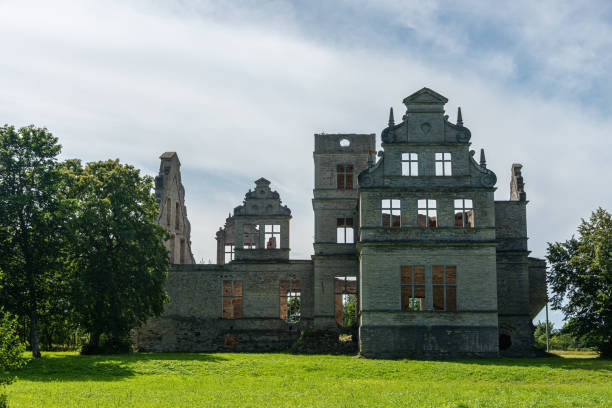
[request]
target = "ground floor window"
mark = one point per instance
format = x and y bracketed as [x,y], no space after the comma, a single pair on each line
[290,300]
[345,300]
[413,288]
[232,299]
[444,282]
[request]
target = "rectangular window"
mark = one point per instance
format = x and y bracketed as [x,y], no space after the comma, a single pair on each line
[464,213]
[391,213]
[344,176]
[410,164]
[443,164]
[444,282]
[232,299]
[290,304]
[413,288]
[344,231]
[345,300]
[427,213]
[272,236]
[177,216]
[168,212]
[229,253]
[251,236]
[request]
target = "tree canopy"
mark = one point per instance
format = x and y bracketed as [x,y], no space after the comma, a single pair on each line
[580,278]
[118,262]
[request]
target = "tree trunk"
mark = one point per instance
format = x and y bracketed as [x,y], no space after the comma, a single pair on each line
[94,341]
[34,337]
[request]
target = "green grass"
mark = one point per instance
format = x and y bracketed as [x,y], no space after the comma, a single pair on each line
[285,380]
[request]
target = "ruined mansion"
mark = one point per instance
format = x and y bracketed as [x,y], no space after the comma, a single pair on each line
[412,254]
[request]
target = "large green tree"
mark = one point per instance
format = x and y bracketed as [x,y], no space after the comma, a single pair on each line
[117,257]
[580,278]
[31,223]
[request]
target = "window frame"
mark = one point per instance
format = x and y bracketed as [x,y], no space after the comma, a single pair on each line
[446,287]
[344,229]
[441,162]
[410,164]
[427,209]
[290,295]
[232,297]
[344,176]
[393,211]
[231,252]
[463,209]
[272,234]
[412,292]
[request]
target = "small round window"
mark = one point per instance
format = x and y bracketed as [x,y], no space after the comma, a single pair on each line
[345,143]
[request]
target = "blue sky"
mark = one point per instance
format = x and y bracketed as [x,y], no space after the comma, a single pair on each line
[239,88]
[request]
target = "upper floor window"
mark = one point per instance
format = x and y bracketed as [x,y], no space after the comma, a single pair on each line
[272,236]
[427,213]
[177,216]
[410,164]
[229,253]
[344,231]
[344,176]
[251,236]
[464,213]
[168,212]
[444,282]
[232,299]
[391,213]
[413,288]
[443,164]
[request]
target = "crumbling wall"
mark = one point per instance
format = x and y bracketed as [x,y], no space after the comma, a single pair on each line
[170,195]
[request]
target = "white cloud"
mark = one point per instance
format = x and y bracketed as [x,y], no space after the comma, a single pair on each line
[240,101]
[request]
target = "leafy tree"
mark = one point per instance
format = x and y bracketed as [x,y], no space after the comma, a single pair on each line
[30,223]
[581,280]
[117,258]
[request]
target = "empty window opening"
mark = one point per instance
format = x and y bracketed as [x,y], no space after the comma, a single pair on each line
[345,300]
[464,213]
[177,216]
[168,212]
[505,341]
[344,176]
[410,164]
[251,236]
[443,164]
[272,236]
[182,251]
[345,143]
[290,304]
[172,249]
[413,288]
[427,213]
[229,253]
[391,213]
[444,282]
[344,231]
[232,299]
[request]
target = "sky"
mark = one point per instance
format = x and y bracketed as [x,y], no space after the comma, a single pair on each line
[238,89]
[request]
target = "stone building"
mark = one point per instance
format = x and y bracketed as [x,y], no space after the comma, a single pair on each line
[411,237]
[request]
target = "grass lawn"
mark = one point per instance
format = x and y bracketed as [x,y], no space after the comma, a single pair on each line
[285,380]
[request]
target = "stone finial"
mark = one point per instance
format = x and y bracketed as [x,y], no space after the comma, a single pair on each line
[391,119]
[459,117]
[370,159]
[517,186]
[483,161]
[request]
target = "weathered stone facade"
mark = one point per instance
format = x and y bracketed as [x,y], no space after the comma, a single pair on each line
[170,195]
[437,267]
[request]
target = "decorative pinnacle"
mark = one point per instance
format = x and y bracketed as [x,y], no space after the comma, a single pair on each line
[391,120]
[483,161]
[370,159]
[459,117]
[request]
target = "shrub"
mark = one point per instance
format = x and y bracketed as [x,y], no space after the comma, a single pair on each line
[11,349]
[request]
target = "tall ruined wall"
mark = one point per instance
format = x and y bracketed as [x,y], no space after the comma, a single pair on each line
[170,195]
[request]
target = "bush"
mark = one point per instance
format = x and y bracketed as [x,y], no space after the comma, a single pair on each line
[11,349]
